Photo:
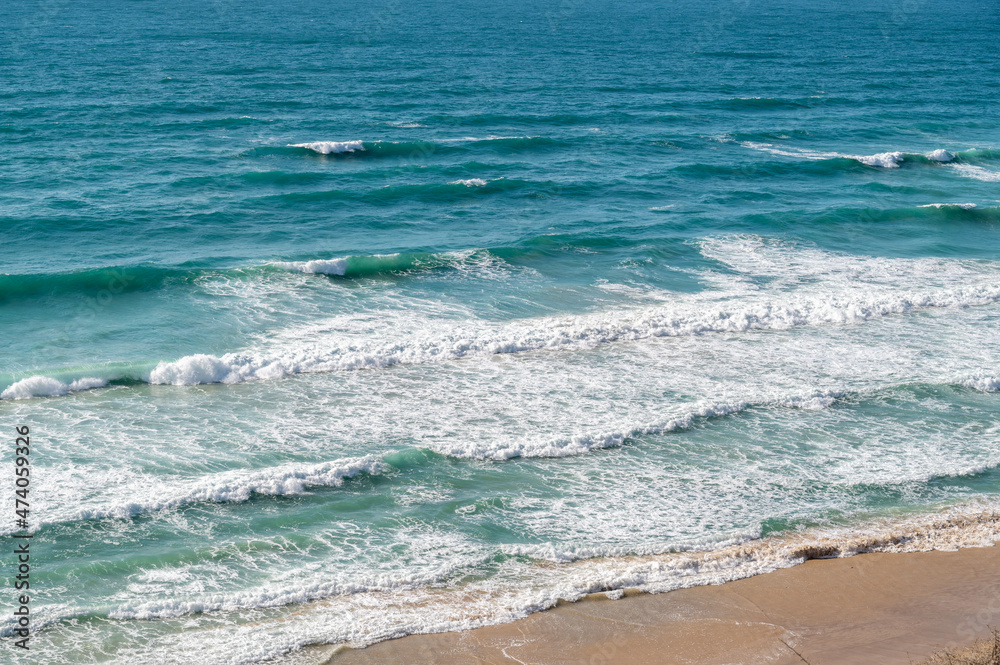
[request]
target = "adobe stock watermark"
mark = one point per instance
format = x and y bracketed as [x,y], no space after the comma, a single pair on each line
[22,540]
[88,307]
[976,626]
[36,25]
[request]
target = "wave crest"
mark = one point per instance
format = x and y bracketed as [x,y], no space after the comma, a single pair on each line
[374,264]
[229,487]
[983,383]
[886,160]
[563,333]
[330,147]
[44,386]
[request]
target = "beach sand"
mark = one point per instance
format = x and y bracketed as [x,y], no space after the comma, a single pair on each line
[870,608]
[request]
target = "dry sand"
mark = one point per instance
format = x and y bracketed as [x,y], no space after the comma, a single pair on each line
[870,608]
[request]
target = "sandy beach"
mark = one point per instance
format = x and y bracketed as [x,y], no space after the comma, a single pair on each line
[870,608]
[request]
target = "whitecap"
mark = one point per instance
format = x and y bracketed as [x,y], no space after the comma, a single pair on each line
[330,147]
[44,386]
[977,172]
[886,160]
[982,382]
[231,487]
[940,155]
[337,266]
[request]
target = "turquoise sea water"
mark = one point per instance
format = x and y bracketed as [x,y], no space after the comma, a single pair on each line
[337,323]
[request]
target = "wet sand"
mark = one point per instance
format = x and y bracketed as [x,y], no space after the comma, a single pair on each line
[879,608]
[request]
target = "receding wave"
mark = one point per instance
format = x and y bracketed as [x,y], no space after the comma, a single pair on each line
[388,608]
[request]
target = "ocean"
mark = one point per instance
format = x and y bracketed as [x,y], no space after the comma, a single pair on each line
[333,323]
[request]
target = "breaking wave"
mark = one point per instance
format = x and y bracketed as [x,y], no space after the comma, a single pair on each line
[44,386]
[330,147]
[360,266]
[413,149]
[444,342]
[227,487]
[886,160]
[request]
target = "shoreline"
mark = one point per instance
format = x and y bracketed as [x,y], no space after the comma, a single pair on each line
[439,622]
[867,608]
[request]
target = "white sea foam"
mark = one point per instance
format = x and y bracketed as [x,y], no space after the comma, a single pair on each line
[330,147]
[482,261]
[44,386]
[984,383]
[940,155]
[812,271]
[583,443]
[322,266]
[788,152]
[471,182]
[228,487]
[886,160]
[494,137]
[807,287]
[963,206]
[361,612]
[192,370]
[450,342]
[977,172]
[577,445]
